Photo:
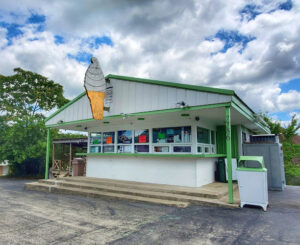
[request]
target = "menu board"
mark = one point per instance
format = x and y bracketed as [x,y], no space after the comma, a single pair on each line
[142,139]
[109,140]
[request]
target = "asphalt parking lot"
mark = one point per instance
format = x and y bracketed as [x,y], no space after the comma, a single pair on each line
[29,217]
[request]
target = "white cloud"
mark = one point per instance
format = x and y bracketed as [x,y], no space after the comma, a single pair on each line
[3,40]
[166,41]
[288,101]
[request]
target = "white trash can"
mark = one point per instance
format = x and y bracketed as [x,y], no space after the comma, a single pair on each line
[252,181]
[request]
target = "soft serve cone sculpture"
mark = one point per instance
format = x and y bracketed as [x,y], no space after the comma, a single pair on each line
[95,86]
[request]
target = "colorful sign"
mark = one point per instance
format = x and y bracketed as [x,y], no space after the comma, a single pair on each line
[142,139]
[109,140]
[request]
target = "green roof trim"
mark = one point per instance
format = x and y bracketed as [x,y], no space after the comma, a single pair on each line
[242,108]
[173,85]
[152,155]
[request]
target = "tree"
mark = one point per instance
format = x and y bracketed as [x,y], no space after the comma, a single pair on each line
[274,127]
[27,94]
[24,97]
[291,130]
[23,139]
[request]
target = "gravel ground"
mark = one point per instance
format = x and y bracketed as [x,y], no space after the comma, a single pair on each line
[29,217]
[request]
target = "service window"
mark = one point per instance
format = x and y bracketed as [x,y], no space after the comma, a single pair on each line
[212,134]
[95,142]
[141,136]
[141,148]
[141,141]
[172,135]
[177,148]
[95,138]
[125,137]
[108,148]
[108,138]
[203,135]
[124,148]
[95,149]
[161,149]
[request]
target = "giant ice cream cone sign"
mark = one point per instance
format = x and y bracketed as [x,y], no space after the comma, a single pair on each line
[95,86]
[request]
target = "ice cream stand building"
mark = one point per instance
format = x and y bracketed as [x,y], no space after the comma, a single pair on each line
[159,132]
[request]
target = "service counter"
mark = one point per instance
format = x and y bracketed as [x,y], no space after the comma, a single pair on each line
[171,169]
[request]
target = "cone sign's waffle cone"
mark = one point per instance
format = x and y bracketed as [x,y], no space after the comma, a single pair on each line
[97,102]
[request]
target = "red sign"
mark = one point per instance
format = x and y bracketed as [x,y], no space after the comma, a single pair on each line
[109,140]
[142,139]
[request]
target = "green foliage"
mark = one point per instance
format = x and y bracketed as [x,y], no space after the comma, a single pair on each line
[274,126]
[292,169]
[290,151]
[24,97]
[24,139]
[291,130]
[27,93]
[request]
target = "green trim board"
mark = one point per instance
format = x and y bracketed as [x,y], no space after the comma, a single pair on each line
[153,155]
[172,84]
[242,109]
[191,108]
[248,113]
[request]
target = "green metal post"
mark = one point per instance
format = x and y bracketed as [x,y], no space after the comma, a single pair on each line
[228,153]
[47,154]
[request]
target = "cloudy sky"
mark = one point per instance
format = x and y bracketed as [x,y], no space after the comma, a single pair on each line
[252,47]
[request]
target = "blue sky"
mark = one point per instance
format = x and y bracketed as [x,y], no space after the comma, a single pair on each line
[252,47]
[293,84]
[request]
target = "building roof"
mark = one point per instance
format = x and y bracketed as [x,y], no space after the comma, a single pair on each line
[155,82]
[172,84]
[233,101]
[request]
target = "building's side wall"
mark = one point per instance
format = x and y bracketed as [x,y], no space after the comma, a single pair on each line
[189,172]
[132,97]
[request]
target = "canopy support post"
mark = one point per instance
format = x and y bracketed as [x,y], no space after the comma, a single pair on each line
[229,153]
[47,154]
[70,159]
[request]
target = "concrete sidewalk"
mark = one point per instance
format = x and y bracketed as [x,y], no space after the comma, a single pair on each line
[47,218]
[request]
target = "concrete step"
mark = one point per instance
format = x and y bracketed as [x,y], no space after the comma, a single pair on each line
[69,187]
[129,191]
[92,193]
[198,192]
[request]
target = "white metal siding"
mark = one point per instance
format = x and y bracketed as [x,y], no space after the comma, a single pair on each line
[131,97]
[171,171]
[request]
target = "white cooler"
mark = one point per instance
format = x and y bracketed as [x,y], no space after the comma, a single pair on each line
[252,181]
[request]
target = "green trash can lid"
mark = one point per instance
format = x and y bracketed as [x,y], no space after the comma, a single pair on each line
[258,159]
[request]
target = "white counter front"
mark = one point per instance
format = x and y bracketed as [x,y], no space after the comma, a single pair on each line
[181,171]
